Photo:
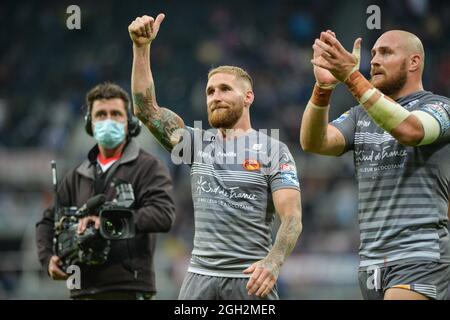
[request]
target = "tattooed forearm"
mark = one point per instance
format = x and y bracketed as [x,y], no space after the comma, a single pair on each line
[161,122]
[287,236]
[144,104]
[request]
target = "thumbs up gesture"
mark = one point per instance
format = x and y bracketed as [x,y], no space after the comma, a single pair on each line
[143,30]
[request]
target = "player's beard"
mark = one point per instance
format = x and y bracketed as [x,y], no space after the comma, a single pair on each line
[225,118]
[390,86]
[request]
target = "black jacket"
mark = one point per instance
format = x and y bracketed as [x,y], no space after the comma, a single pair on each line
[130,263]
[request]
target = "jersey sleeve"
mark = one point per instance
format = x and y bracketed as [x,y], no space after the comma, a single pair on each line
[283,171]
[346,124]
[439,109]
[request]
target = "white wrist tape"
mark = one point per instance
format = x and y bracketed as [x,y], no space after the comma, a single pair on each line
[357,53]
[319,108]
[385,112]
[327,86]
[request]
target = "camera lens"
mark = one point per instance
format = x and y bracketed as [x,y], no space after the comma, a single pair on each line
[114,228]
[116,224]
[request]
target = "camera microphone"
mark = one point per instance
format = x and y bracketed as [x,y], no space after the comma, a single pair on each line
[92,205]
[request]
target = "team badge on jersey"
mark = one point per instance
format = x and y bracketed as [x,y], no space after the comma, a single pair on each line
[251,165]
[287,167]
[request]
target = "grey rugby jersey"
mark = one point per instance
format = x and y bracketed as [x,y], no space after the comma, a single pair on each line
[403,191]
[232,182]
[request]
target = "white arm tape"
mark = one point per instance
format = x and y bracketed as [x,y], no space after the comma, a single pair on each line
[313,106]
[386,113]
[431,127]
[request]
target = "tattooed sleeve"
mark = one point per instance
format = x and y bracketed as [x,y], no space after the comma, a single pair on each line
[161,122]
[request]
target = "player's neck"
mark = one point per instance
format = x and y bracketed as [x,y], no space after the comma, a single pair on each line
[407,90]
[242,127]
[111,153]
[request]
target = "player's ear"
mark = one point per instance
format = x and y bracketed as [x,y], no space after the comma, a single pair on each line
[415,62]
[249,97]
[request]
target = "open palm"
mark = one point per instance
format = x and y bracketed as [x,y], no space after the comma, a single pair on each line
[323,76]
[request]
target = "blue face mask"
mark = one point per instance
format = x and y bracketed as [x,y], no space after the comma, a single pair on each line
[109,133]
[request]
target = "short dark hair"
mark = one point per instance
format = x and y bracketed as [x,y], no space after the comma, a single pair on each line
[106,90]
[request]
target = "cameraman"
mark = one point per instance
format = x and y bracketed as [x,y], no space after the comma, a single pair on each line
[128,272]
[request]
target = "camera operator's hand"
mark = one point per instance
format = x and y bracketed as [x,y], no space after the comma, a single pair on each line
[87,220]
[55,271]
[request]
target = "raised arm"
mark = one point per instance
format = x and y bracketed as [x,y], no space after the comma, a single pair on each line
[409,128]
[265,272]
[316,135]
[161,122]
